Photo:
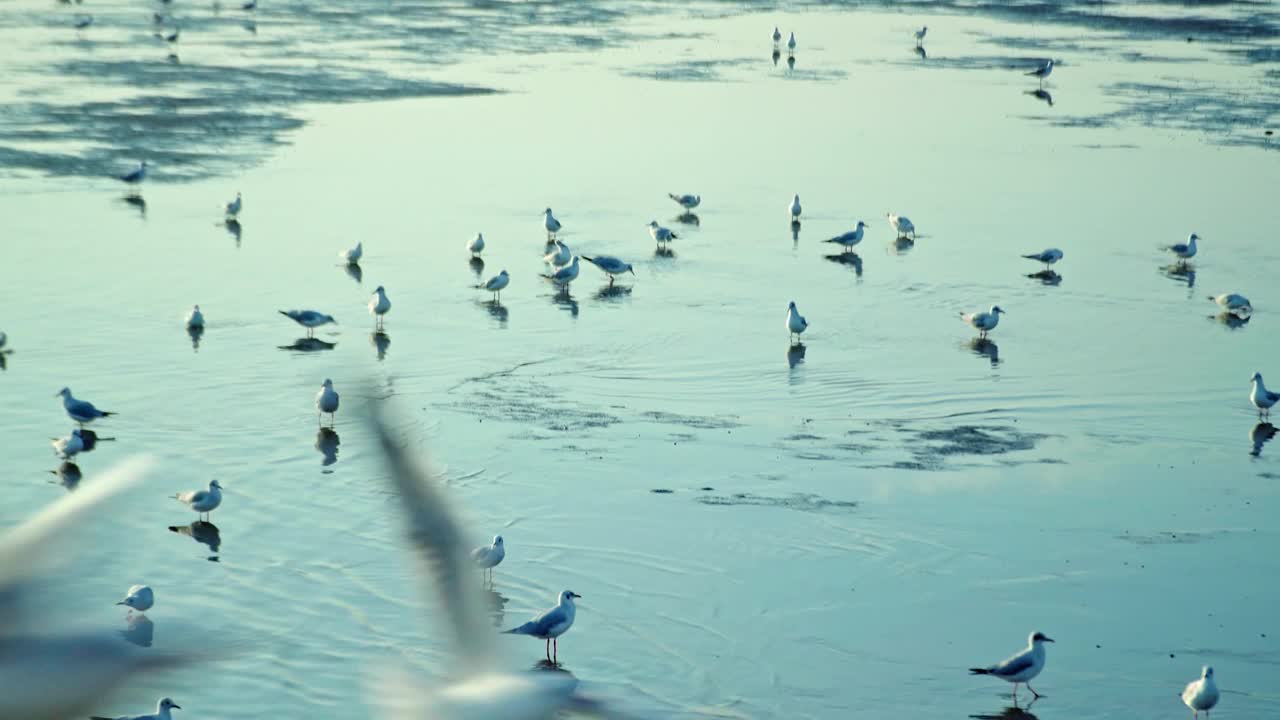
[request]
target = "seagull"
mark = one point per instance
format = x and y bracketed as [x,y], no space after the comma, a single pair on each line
[309,319]
[202,501]
[559,255]
[688,202]
[550,624]
[985,322]
[1048,257]
[610,265]
[250,5]
[139,598]
[352,256]
[1042,72]
[327,401]
[1185,251]
[487,557]
[195,318]
[82,411]
[173,36]
[1021,668]
[233,207]
[496,284]
[566,274]
[1201,694]
[161,713]
[920,35]
[476,244]
[69,446]
[552,225]
[794,207]
[851,238]
[660,234]
[135,176]
[796,324]
[777,35]
[791,44]
[83,21]
[1261,397]
[902,225]
[1237,304]
[379,306]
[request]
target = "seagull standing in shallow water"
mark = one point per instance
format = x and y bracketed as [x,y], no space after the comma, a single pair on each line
[161,713]
[309,319]
[794,207]
[559,256]
[1021,668]
[688,202]
[203,501]
[902,225]
[379,306]
[496,284]
[985,322]
[660,234]
[610,265]
[791,45]
[233,207]
[1201,694]
[566,274]
[487,557]
[139,597]
[327,402]
[1042,72]
[82,411]
[1048,257]
[796,324]
[476,245]
[1233,303]
[851,238]
[551,624]
[135,176]
[195,318]
[1261,397]
[352,256]
[1185,251]
[551,224]
[777,35]
[920,35]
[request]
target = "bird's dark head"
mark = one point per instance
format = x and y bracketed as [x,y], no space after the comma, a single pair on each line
[1039,637]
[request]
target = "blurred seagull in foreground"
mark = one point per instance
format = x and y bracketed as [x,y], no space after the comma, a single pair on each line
[309,319]
[1022,668]
[1048,257]
[496,284]
[1042,72]
[551,224]
[352,256]
[985,322]
[82,411]
[1233,303]
[610,265]
[1261,397]
[477,689]
[162,712]
[139,597]
[688,202]
[57,676]
[851,238]
[1200,695]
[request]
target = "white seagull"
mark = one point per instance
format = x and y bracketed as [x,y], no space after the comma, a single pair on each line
[309,319]
[233,207]
[1042,72]
[902,225]
[551,224]
[791,44]
[794,207]
[139,598]
[1201,694]
[1234,303]
[559,256]
[1021,668]
[379,306]
[1048,257]
[1261,397]
[1185,251]
[82,411]
[796,324]
[985,322]
[476,244]
[162,712]
[688,202]
[566,274]
[352,256]
[851,238]
[69,446]
[327,401]
[496,284]
[137,175]
[550,624]
[610,265]
[202,501]
[920,35]
[195,318]
[487,557]
[660,234]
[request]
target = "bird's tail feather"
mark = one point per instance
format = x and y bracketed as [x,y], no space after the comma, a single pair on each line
[979,671]
[675,236]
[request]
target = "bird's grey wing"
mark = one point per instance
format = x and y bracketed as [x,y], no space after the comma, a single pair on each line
[1013,665]
[1179,248]
[1273,396]
[436,535]
[547,620]
[82,407]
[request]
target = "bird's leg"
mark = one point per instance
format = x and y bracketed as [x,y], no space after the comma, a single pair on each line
[548,649]
[610,281]
[555,644]
[1015,692]
[1033,691]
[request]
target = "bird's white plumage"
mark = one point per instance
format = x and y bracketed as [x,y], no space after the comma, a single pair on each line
[1187,250]
[688,202]
[1261,397]
[327,398]
[851,238]
[69,446]
[902,225]
[139,597]
[496,283]
[352,256]
[610,265]
[984,321]
[82,411]
[559,255]
[1202,694]
[233,207]
[202,501]
[162,712]
[796,324]
[487,556]
[1048,256]
[475,245]
[550,223]
[566,274]
[1233,302]
[379,304]
[794,208]
[661,234]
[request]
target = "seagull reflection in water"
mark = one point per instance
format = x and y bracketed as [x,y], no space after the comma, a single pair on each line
[477,266]
[309,344]
[233,229]
[1046,277]
[688,218]
[195,332]
[1013,712]
[354,271]
[795,231]
[140,630]
[68,473]
[984,347]
[795,355]
[1180,272]
[1231,320]
[613,292]
[902,246]
[497,605]
[138,202]
[380,341]
[565,301]
[1041,95]
[777,55]
[327,441]
[920,51]
[496,310]
[203,532]
[1260,435]
[849,259]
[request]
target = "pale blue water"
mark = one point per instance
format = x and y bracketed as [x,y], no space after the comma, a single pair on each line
[849,527]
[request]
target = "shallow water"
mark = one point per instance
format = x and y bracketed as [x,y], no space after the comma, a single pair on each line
[757,531]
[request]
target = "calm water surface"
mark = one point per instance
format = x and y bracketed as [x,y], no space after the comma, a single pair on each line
[757,531]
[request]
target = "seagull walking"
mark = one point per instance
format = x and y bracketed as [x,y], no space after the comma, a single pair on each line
[796,324]
[233,207]
[487,557]
[161,713]
[1185,251]
[327,402]
[195,318]
[1233,303]
[139,597]
[1261,397]
[851,238]
[353,255]
[309,319]
[559,255]
[82,411]
[496,284]
[551,624]
[379,306]
[610,265]
[1048,257]
[202,501]
[551,224]
[69,446]
[985,322]
[1021,668]
[566,274]
[794,207]
[1201,695]
[920,35]
[688,202]
[902,225]
[1042,72]
[476,245]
